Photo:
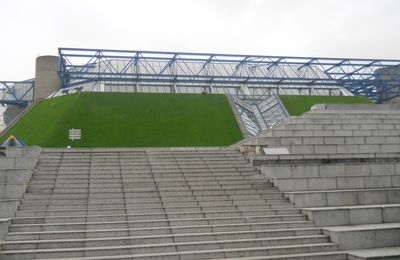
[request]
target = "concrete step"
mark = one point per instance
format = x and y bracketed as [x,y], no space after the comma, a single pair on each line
[121,213]
[332,148]
[80,203]
[132,181]
[143,177]
[90,163]
[153,207]
[167,191]
[147,189]
[344,124]
[178,234]
[96,212]
[161,220]
[161,185]
[365,236]
[140,193]
[157,178]
[331,133]
[163,206]
[326,255]
[198,228]
[147,172]
[162,244]
[169,206]
[337,183]
[332,255]
[326,140]
[127,252]
[388,253]
[354,215]
[166,197]
[331,170]
[329,198]
[211,188]
[137,170]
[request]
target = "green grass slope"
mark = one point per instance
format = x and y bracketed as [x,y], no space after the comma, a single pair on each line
[130,120]
[297,105]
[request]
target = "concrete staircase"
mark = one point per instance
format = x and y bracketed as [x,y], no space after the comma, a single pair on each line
[186,203]
[325,185]
[342,167]
[258,113]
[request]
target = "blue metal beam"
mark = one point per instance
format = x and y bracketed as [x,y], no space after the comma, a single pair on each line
[16,92]
[141,67]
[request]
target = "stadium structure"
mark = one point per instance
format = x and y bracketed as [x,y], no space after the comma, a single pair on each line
[321,185]
[253,81]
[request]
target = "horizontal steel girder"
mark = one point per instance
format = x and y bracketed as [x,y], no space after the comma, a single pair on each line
[145,67]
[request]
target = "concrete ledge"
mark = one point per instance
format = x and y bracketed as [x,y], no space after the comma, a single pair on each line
[33,151]
[389,253]
[8,208]
[306,159]
[365,236]
[12,191]
[15,176]
[17,163]
[4,224]
[344,197]
[354,215]
[355,107]
[333,183]
[331,170]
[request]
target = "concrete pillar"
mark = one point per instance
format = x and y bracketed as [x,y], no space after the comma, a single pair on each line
[47,79]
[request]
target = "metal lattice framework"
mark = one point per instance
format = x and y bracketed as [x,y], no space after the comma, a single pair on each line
[16,92]
[82,66]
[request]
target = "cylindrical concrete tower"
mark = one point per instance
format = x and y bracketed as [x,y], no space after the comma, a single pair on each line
[47,79]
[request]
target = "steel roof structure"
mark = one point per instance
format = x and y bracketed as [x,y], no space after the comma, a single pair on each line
[16,92]
[218,73]
[82,66]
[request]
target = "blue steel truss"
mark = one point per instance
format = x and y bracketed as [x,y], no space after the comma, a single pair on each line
[82,66]
[16,92]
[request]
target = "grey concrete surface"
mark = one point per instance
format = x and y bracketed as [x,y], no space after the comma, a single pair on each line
[168,203]
[365,236]
[342,170]
[47,79]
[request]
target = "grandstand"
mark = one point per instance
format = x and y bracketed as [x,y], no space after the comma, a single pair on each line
[297,180]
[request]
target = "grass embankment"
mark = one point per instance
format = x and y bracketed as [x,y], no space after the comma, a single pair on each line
[297,105]
[130,120]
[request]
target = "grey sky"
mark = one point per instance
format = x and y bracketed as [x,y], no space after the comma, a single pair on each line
[337,28]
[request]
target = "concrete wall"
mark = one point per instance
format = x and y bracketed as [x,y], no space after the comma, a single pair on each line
[11,113]
[16,169]
[46,79]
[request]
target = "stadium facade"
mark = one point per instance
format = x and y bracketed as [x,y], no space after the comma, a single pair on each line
[253,82]
[323,185]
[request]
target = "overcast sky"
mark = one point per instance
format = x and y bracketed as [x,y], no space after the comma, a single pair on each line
[334,28]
